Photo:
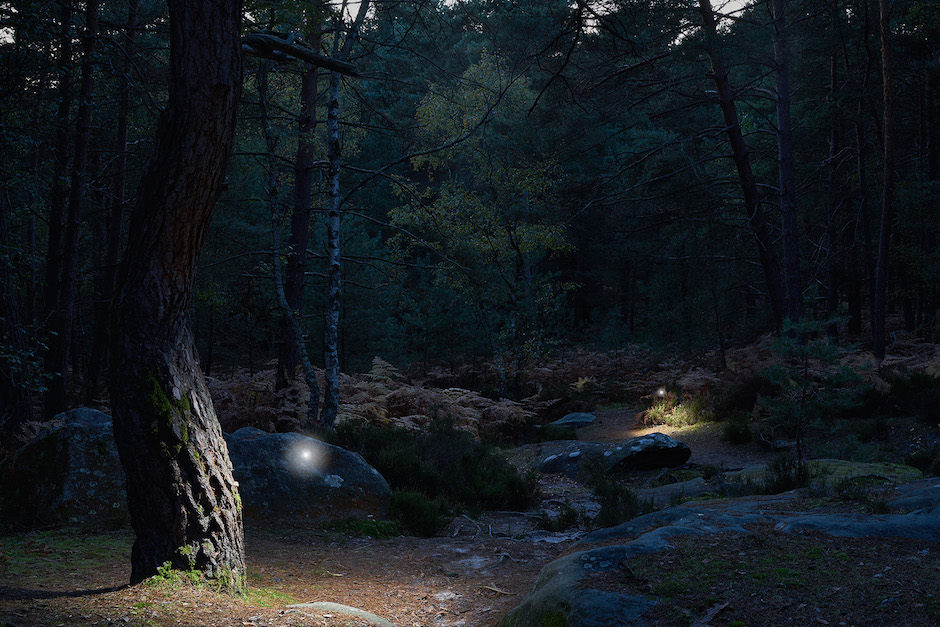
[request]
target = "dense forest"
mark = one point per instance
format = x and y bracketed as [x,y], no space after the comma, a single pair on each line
[480,178]
[204,187]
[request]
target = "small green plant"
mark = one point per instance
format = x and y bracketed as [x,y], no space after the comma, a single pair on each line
[172,578]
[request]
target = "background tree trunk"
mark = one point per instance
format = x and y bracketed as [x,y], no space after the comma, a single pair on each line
[333,225]
[289,356]
[54,401]
[879,300]
[115,223]
[61,347]
[742,162]
[334,259]
[786,167]
[183,500]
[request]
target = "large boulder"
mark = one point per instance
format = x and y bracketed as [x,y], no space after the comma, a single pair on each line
[294,477]
[69,474]
[72,474]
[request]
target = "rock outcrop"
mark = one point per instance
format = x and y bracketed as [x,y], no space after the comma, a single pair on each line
[69,474]
[292,476]
[576,590]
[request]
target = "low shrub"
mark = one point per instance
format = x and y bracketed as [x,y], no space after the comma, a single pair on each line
[786,473]
[738,429]
[417,513]
[618,502]
[566,519]
[441,463]
[926,460]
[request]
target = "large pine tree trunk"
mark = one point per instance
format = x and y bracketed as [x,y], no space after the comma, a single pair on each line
[182,497]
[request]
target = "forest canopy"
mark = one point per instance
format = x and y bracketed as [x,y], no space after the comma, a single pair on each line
[493,179]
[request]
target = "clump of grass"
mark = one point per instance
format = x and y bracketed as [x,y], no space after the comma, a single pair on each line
[669,408]
[786,473]
[566,519]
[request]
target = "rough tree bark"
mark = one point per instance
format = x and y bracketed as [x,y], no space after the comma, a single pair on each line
[182,497]
[752,201]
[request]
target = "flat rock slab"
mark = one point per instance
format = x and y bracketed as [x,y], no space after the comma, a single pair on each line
[345,610]
[833,471]
[575,420]
[663,495]
[565,594]
[576,459]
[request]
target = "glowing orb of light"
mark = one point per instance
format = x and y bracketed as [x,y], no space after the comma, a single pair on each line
[661,391]
[307,455]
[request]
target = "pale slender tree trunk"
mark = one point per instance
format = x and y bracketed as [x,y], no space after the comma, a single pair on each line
[334,260]
[879,308]
[182,497]
[333,229]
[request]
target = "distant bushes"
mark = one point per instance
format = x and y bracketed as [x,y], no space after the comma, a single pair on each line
[436,471]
